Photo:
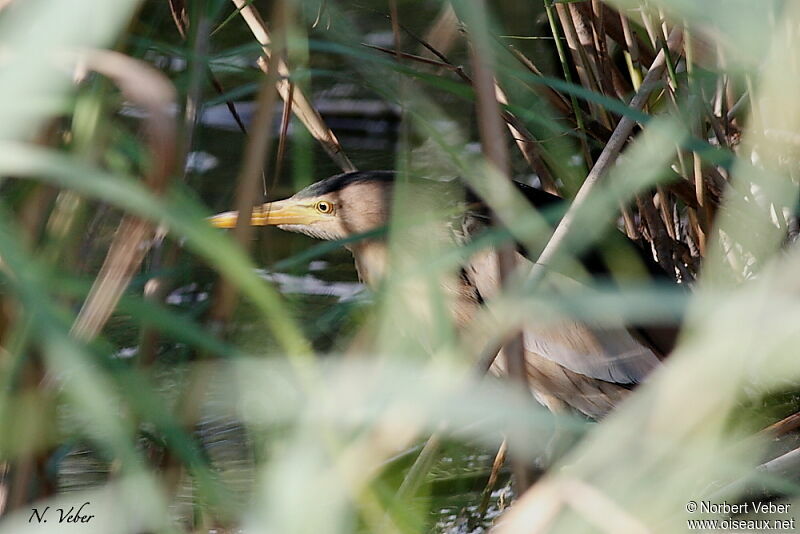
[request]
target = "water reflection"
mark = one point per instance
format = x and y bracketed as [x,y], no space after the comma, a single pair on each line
[311,285]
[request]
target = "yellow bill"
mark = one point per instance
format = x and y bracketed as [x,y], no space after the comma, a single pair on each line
[271,214]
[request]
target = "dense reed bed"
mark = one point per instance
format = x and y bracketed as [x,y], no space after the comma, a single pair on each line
[168,374]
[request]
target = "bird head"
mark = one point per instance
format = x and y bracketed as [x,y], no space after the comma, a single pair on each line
[334,208]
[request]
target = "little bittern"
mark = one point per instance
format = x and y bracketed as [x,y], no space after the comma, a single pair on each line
[571,365]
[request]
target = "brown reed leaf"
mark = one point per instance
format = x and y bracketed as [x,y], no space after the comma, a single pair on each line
[301,106]
[152,91]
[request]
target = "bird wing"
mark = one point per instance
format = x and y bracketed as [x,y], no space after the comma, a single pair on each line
[622,354]
[609,353]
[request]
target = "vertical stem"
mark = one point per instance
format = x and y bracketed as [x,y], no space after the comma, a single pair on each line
[286,117]
[604,65]
[632,55]
[562,56]
[164,255]
[697,218]
[490,125]
[249,177]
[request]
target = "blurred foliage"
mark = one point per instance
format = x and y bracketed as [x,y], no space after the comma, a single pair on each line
[129,384]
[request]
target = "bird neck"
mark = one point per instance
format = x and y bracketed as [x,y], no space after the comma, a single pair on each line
[371,259]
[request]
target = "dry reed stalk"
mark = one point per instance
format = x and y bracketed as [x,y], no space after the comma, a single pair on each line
[584,66]
[663,227]
[151,90]
[782,427]
[395,20]
[181,19]
[123,260]
[536,511]
[606,159]
[631,230]
[494,474]
[47,210]
[490,126]
[702,223]
[632,47]
[322,12]
[647,22]
[583,24]
[784,467]
[717,127]
[420,59]
[599,35]
[658,232]
[165,255]
[665,208]
[301,106]
[615,22]
[528,145]
[554,98]
[253,168]
[180,16]
[3,486]
[286,112]
[573,43]
[562,57]
[286,116]
[413,478]
[698,217]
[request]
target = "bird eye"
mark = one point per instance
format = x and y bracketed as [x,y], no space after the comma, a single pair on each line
[324,207]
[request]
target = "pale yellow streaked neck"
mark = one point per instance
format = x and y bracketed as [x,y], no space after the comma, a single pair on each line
[371,259]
